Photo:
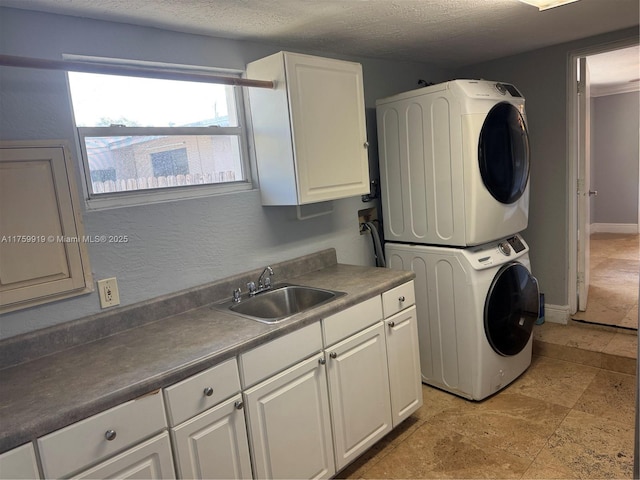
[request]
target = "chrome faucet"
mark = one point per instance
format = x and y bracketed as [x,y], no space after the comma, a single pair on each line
[264,283]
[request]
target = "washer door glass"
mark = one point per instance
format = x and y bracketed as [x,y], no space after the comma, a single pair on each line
[503,153]
[511,309]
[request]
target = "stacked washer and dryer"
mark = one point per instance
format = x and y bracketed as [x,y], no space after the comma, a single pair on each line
[454,168]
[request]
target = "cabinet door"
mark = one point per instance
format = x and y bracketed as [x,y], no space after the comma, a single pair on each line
[19,463]
[404,364]
[214,444]
[327,116]
[359,392]
[150,459]
[42,253]
[289,423]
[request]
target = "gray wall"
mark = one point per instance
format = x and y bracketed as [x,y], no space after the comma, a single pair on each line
[541,75]
[180,244]
[614,158]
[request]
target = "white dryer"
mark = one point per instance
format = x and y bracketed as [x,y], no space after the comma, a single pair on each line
[454,163]
[476,308]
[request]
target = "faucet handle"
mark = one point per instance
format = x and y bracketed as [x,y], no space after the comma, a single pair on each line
[267,282]
[252,288]
[236,295]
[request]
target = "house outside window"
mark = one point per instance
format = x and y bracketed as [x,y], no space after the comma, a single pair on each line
[145,139]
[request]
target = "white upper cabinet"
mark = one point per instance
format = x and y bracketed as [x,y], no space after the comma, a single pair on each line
[310,130]
[42,251]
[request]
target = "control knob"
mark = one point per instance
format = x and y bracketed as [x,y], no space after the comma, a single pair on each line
[504,248]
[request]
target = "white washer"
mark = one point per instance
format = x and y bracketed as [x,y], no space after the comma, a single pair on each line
[476,308]
[454,163]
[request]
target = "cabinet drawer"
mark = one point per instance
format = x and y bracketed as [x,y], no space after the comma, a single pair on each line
[149,460]
[278,354]
[75,447]
[398,299]
[343,324]
[202,391]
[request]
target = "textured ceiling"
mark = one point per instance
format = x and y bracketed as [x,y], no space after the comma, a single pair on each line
[449,33]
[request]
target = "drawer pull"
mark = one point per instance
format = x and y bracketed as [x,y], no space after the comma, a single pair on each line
[110,435]
[208,391]
[239,405]
[322,360]
[333,355]
[392,324]
[401,299]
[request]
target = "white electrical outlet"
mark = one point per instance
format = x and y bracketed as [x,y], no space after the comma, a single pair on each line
[108,291]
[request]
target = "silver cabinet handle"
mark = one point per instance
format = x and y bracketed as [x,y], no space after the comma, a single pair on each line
[333,355]
[110,435]
[239,405]
[593,193]
[366,144]
[322,361]
[392,324]
[208,391]
[401,299]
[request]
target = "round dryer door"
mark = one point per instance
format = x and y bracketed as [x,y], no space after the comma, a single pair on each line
[503,153]
[511,309]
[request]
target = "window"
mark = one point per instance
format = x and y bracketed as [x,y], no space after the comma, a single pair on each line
[167,138]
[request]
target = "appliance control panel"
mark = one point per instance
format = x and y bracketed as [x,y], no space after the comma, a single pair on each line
[496,253]
[486,89]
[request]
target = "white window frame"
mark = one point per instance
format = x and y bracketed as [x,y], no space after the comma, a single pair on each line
[146,196]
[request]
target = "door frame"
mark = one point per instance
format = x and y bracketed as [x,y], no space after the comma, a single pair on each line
[572,156]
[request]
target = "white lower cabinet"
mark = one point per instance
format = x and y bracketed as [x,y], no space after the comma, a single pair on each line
[403,359]
[208,428]
[148,460]
[19,463]
[115,437]
[213,444]
[289,423]
[304,405]
[359,392]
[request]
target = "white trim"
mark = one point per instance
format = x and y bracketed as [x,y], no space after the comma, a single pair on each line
[614,228]
[557,314]
[604,90]
[572,158]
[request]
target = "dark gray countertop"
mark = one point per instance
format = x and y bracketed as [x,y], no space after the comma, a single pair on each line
[50,392]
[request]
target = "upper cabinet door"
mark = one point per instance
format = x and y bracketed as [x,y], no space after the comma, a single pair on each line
[310,131]
[42,251]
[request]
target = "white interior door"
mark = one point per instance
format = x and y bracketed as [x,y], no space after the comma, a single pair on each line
[584,183]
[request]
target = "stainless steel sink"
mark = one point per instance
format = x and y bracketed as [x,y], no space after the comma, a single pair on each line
[279,303]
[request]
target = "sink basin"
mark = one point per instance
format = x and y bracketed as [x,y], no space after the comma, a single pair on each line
[279,303]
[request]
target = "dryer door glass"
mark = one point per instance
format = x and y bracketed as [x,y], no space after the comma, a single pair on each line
[503,153]
[511,309]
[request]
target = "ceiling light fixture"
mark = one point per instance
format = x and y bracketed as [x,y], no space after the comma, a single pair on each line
[547,4]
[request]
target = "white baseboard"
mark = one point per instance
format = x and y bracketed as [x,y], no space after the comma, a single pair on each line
[557,314]
[614,228]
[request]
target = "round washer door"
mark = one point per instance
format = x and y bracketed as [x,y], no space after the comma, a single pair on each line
[511,309]
[503,153]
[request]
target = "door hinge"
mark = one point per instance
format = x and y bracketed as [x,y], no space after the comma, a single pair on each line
[580,278]
[580,185]
[580,87]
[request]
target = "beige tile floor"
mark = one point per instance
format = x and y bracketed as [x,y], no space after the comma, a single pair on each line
[597,346]
[559,420]
[613,286]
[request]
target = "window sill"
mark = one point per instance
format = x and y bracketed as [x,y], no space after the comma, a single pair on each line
[146,197]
